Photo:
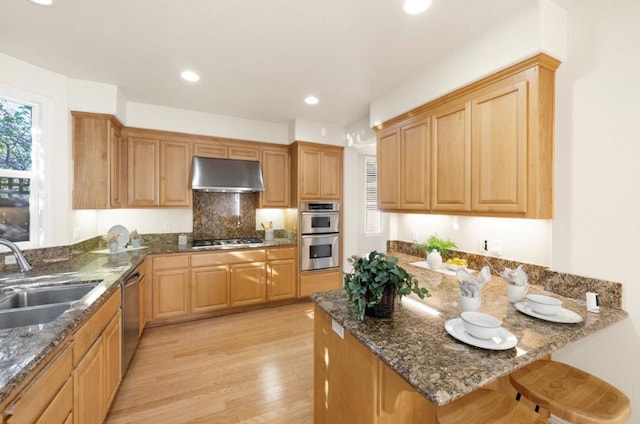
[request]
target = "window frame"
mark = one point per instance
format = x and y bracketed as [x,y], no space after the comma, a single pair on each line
[40,199]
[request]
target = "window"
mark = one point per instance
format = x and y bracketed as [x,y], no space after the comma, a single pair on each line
[373,217]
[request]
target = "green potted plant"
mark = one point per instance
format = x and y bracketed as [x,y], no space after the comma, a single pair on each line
[375,281]
[437,250]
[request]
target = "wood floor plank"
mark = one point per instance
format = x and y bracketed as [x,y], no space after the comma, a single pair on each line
[253,367]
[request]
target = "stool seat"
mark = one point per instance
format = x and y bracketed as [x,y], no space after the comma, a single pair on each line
[487,406]
[571,393]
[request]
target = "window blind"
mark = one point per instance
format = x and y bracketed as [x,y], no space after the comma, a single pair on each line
[373,217]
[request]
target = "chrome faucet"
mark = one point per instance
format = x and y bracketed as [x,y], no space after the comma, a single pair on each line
[22,262]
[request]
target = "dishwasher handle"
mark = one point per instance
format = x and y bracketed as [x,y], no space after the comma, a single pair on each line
[132,279]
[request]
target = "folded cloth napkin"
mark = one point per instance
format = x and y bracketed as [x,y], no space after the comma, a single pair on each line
[469,285]
[517,276]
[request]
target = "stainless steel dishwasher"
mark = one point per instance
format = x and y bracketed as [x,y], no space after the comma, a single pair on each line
[130,317]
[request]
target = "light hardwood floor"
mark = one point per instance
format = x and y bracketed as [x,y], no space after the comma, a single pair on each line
[253,367]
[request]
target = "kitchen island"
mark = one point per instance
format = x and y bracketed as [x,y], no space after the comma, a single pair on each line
[400,369]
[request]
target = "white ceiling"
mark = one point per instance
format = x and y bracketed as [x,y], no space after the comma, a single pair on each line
[257,59]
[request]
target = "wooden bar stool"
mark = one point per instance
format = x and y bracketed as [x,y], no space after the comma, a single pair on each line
[487,406]
[571,394]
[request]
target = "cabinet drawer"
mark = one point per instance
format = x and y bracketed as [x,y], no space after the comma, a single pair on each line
[227,258]
[60,407]
[94,326]
[320,282]
[170,262]
[284,253]
[41,391]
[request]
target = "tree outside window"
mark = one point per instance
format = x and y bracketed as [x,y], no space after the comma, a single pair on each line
[16,122]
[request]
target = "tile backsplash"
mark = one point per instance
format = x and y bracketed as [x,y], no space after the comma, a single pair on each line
[224,215]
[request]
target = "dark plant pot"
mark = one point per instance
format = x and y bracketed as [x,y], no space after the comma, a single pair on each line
[384,308]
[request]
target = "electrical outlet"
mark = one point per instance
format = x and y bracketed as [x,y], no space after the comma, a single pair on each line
[484,245]
[9,260]
[167,226]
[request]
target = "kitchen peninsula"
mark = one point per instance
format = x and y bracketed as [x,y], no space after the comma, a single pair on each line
[398,370]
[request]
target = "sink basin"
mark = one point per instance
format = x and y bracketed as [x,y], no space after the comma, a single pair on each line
[20,317]
[45,296]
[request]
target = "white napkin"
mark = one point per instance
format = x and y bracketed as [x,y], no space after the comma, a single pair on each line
[469,285]
[517,276]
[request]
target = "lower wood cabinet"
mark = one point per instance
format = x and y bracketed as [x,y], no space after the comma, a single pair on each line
[97,355]
[319,281]
[201,283]
[48,398]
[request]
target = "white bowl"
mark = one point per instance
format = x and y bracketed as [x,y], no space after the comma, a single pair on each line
[544,305]
[480,325]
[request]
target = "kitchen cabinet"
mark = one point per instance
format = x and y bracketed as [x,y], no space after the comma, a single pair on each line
[499,146]
[145,302]
[248,284]
[48,397]
[97,359]
[277,177]
[170,286]
[97,161]
[316,172]
[158,172]
[143,172]
[210,288]
[403,171]
[281,273]
[492,147]
[175,174]
[319,281]
[451,142]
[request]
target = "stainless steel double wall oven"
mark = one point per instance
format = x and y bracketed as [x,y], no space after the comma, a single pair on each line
[320,235]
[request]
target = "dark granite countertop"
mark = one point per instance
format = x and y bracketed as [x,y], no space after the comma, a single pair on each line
[416,345]
[22,349]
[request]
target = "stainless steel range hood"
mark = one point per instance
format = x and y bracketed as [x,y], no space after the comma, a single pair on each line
[226,175]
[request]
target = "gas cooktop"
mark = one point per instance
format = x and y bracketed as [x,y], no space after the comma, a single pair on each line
[236,242]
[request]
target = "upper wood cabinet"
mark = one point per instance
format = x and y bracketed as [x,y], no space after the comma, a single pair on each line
[491,147]
[227,150]
[403,168]
[97,161]
[451,157]
[277,177]
[316,171]
[158,171]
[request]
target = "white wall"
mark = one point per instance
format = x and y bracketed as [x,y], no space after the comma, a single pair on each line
[318,132]
[597,220]
[525,240]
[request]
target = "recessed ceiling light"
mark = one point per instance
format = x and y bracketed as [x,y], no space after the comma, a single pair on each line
[311,100]
[415,7]
[44,2]
[190,76]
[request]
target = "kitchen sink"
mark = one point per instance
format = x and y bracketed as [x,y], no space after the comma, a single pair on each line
[45,296]
[20,317]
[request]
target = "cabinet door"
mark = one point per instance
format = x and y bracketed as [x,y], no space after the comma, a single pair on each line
[414,166]
[451,164]
[309,165]
[88,387]
[210,151]
[331,175]
[170,293]
[244,153]
[275,171]
[112,348]
[175,174]
[115,163]
[143,172]
[499,150]
[281,279]
[388,169]
[209,289]
[91,161]
[248,284]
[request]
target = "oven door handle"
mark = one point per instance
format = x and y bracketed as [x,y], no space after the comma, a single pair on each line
[131,279]
[320,235]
